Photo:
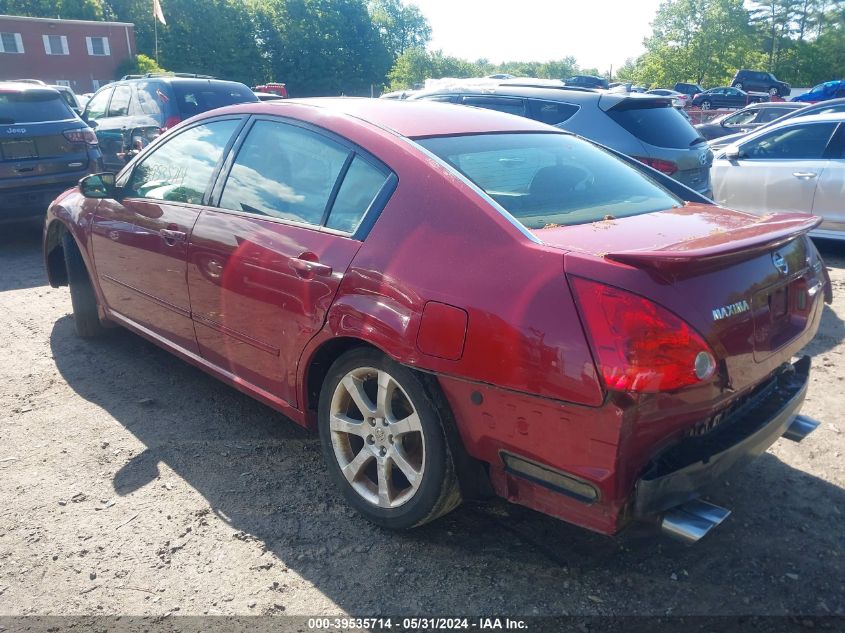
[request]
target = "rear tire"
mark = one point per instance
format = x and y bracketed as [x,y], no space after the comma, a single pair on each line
[82,297]
[384,442]
[705,105]
[774,92]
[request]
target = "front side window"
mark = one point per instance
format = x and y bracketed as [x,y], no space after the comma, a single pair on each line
[740,118]
[119,105]
[180,170]
[55,44]
[500,104]
[284,171]
[11,43]
[96,107]
[551,179]
[797,142]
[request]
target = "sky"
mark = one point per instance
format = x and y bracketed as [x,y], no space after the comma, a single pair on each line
[597,33]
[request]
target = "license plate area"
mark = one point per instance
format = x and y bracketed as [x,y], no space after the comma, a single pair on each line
[16,150]
[780,314]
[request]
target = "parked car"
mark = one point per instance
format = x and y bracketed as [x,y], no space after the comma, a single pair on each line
[65,91]
[797,165]
[760,81]
[458,300]
[823,92]
[44,149]
[679,99]
[643,126]
[586,81]
[688,89]
[267,96]
[834,105]
[724,97]
[745,120]
[128,114]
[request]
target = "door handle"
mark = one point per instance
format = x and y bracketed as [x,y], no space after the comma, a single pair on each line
[804,175]
[307,268]
[173,237]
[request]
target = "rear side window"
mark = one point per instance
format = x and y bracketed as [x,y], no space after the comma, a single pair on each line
[152,99]
[180,169]
[33,106]
[550,112]
[661,126]
[361,185]
[284,171]
[805,142]
[501,104]
[193,97]
[551,179]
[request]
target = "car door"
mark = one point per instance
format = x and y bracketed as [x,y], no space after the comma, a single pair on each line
[266,262]
[830,191]
[776,171]
[140,239]
[732,98]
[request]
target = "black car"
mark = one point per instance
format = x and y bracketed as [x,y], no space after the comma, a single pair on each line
[746,120]
[760,81]
[688,89]
[586,81]
[725,97]
[44,149]
[128,114]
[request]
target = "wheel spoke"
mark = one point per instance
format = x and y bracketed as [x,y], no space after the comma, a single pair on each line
[410,473]
[344,424]
[386,386]
[411,424]
[353,469]
[355,387]
[383,468]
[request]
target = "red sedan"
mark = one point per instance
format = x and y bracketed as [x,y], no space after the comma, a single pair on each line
[461,302]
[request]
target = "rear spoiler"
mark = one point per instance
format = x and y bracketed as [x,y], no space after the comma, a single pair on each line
[718,249]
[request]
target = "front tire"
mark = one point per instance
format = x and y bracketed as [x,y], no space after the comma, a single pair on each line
[774,92]
[82,296]
[384,442]
[705,105]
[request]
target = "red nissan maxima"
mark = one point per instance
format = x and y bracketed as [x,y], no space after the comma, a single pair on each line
[460,301]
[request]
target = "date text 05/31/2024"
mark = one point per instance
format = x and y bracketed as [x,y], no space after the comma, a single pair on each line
[417,624]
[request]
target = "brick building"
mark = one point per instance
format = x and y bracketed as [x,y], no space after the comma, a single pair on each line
[81,54]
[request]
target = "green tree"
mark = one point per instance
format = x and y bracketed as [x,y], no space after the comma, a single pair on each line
[67,9]
[400,26]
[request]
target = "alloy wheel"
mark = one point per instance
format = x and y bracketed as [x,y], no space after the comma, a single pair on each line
[377,437]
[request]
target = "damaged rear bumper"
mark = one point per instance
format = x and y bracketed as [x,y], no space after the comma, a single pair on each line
[677,475]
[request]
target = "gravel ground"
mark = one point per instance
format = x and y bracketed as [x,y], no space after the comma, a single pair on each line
[132,483]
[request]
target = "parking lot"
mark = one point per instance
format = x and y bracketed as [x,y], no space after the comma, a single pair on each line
[132,483]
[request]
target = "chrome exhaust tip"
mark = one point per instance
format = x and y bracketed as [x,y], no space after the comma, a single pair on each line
[800,428]
[691,521]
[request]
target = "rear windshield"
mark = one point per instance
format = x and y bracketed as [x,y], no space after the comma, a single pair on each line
[195,97]
[661,126]
[551,179]
[33,107]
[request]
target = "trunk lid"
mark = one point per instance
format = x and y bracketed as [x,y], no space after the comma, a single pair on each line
[751,286]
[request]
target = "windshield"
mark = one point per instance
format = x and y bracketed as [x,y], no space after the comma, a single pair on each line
[546,180]
[33,107]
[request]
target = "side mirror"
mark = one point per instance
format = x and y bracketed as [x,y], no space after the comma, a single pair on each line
[732,152]
[98,186]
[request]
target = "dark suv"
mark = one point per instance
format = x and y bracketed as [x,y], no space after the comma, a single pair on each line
[760,81]
[128,114]
[688,89]
[44,149]
[644,127]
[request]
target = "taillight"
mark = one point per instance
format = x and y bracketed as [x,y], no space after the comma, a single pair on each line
[171,121]
[665,166]
[81,135]
[640,346]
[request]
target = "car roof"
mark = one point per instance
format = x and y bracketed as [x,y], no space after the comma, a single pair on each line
[21,87]
[835,117]
[412,119]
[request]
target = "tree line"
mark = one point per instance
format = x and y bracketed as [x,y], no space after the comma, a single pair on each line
[707,41]
[355,47]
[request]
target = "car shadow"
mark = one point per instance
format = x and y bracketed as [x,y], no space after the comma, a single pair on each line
[264,476]
[20,254]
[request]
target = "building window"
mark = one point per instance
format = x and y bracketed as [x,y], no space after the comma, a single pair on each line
[55,44]
[11,43]
[98,46]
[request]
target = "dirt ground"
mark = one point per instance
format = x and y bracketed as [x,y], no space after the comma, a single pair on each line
[132,483]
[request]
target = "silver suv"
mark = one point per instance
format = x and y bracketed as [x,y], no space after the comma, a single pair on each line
[644,127]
